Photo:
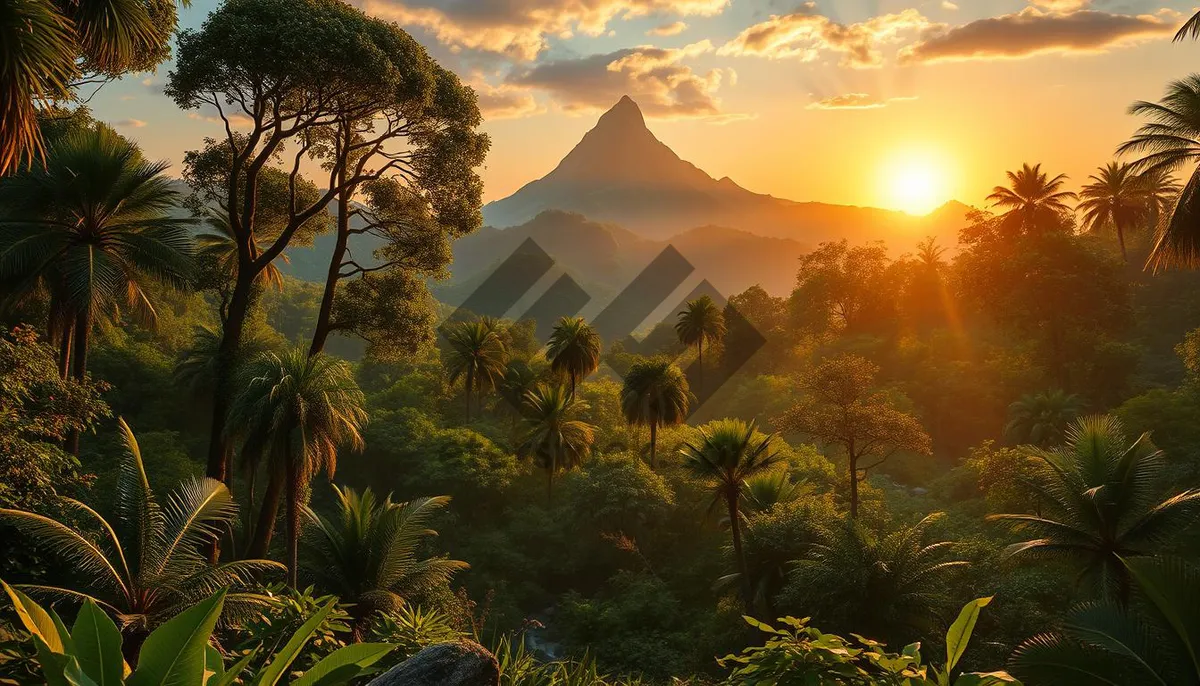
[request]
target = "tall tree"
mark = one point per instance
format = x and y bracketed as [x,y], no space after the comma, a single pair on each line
[655,393]
[295,412]
[700,322]
[1168,141]
[476,355]
[369,553]
[845,289]
[92,229]
[52,49]
[328,82]
[145,568]
[842,408]
[574,350]
[1115,197]
[728,452]
[1032,201]
[554,434]
[1102,504]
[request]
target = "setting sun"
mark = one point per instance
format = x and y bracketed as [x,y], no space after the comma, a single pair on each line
[914,182]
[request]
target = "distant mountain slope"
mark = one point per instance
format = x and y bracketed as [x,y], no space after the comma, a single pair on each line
[620,173]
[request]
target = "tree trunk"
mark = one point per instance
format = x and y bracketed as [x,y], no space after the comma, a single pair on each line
[293,517]
[1121,241]
[231,339]
[853,488]
[553,466]
[322,328]
[82,329]
[700,367]
[653,442]
[467,392]
[735,528]
[265,527]
[64,351]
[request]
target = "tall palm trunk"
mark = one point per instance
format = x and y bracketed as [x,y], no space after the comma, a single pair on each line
[82,329]
[470,386]
[735,529]
[700,366]
[294,486]
[265,527]
[653,442]
[1121,241]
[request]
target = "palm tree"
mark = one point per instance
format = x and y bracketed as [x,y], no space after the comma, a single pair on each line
[1032,200]
[655,393]
[476,355]
[1171,139]
[574,350]
[763,492]
[1162,191]
[700,322]
[1103,504]
[294,413]
[929,254]
[1042,419]
[890,587]
[92,228]
[146,566]
[368,553]
[1190,28]
[1151,642]
[729,452]
[553,434]
[1115,197]
[46,46]
[219,247]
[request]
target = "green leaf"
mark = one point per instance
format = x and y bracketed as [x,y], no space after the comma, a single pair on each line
[234,670]
[271,674]
[75,675]
[174,654]
[97,643]
[960,632]
[343,664]
[53,664]
[36,620]
[214,664]
[988,679]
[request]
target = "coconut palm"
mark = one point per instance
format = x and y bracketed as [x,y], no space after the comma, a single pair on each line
[553,435]
[145,566]
[1042,419]
[368,553]
[1168,141]
[930,254]
[728,452]
[655,393]
[1115,196]
[891,587]
[294,412]
[700,322]
[574,350]
[92,229]
[1152,641]
[476,355]
[1102,504]
[46,46]
[1032,200]
[1162,191]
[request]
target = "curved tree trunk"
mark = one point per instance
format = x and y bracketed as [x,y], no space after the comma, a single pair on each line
[653,442]
[82,330]
[294,487]
[265,527]
[735,528]
[323,326]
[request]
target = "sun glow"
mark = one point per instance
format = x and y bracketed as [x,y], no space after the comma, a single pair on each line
[914,182]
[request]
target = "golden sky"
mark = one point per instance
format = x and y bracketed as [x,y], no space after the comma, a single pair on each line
[890,104]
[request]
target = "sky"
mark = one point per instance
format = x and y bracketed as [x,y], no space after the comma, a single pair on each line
[901,104]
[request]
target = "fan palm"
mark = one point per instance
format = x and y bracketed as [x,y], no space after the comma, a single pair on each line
[889,587]
[146,566]
[476,356]
[1152,641]
[1115,197]
[1033,200]
[294,413]
[368,553]
[1168,141]
[220,248]
[1042,419]
[763,492]
[729,452]
[700,322]
[655,393]
[553,434]
[1103,503]
[574,350]
[92,228]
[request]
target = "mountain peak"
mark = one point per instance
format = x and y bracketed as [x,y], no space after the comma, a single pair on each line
[625,116]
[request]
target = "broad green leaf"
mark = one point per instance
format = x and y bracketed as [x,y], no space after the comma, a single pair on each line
[234,670]
[174,654]
[271,674]
[214,664]
[988,679]
[960,632]
[53,664]
[343,664]
[36,620]
[97,643]
[75,675]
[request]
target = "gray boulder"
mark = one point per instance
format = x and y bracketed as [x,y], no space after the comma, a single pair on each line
[465,663]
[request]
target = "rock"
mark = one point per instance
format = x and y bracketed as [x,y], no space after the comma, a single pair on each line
[465,663]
